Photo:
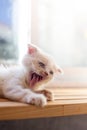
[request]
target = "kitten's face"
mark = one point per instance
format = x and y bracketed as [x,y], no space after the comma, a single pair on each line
[41,66]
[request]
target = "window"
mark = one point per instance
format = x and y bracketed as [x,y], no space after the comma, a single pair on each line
[62,30]
[14,29]
[7,44]
[59,27]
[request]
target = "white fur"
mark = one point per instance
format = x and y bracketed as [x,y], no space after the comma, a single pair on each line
[13,86]
[13,82]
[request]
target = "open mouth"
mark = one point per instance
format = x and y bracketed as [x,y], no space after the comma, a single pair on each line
[35,78]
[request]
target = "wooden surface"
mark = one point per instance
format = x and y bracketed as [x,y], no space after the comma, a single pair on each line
[68,100]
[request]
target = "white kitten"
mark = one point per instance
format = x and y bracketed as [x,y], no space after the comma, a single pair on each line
[23,83]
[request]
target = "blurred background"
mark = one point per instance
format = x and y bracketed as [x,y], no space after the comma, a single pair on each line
[57,26]
[8,47]
[63,30]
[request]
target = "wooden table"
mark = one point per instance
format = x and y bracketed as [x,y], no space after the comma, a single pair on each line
[70,92]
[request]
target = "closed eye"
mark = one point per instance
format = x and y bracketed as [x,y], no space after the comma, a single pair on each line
[42,64]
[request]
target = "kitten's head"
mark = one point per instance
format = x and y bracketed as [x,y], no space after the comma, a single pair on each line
[40,65]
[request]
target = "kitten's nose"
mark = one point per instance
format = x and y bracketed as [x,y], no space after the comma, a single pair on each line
[45,73]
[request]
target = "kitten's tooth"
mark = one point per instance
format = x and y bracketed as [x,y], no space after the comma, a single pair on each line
[33,75]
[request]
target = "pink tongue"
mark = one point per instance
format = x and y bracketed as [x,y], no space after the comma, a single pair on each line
[33,80]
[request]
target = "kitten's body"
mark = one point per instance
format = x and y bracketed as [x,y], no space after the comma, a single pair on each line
[22,83]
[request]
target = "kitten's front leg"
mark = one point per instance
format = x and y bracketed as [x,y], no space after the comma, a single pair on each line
[17,93]
[47,93]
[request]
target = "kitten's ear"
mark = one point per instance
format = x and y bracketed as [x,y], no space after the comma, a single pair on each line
[32,49]
[60,70]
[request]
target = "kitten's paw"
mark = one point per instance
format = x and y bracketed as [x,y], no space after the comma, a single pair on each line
[36,99]
[39,100]
[48,94]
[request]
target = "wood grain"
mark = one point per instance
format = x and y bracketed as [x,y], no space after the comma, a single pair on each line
[70,94]
[67,102]
[12,110]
